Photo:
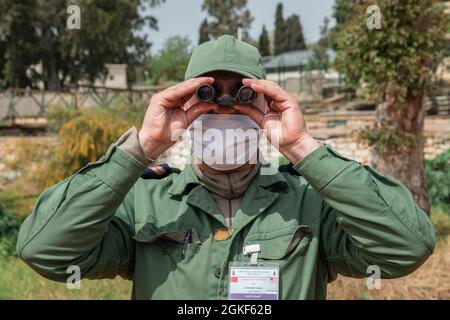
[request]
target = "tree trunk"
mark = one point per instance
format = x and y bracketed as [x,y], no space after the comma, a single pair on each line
[52,80]
[49,61]
[404,161]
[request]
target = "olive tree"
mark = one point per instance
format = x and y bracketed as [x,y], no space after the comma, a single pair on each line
[395,64]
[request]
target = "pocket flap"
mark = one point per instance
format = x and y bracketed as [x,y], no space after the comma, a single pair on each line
[280,243]
[148,234]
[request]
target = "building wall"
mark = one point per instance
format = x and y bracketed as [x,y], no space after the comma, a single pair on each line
[309,83]
[116,79]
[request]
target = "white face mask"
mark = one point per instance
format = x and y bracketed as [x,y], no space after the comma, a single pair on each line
[224,141]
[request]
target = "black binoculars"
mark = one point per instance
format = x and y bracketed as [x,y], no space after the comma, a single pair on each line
[208,94]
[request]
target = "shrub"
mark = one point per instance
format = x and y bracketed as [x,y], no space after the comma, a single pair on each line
[84,135]
[171,62]
[9,228]
[57,115]
[438,176]
[441,221]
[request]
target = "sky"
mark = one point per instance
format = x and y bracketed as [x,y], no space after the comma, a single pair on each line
[183,17]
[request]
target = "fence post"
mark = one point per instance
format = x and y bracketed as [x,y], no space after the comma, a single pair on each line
[41,104]
[76,98]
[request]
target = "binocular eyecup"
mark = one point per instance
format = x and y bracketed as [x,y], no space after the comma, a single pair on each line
[208,94]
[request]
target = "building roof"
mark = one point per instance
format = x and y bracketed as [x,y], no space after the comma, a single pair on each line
[291,59]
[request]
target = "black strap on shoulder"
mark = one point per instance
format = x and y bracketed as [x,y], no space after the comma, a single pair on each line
[149,174]
[289,168]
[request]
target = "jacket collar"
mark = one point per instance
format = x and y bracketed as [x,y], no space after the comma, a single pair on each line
[187,180]
[261,193]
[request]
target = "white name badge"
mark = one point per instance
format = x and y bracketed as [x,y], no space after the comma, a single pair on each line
[253,282]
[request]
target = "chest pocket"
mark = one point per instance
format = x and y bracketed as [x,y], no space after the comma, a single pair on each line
[278,244]
[174,243]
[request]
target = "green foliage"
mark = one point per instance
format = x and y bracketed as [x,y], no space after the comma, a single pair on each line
[56,116]
[288,33]
[9,228]
[17,42]
[395,65]
[319,59]
[280,41]
[387,136]
[438,176]
[264,43]
[17,201]
[441,221]
[325,34]
[400,59]
[342,10]
[171,62]
[294,34]
[34,31]
[203,32]
[225,17]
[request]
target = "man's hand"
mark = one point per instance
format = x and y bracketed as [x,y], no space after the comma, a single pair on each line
[165,118]
[284,123]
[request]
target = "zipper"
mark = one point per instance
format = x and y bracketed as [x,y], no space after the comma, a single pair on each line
[229,213]
[230,188]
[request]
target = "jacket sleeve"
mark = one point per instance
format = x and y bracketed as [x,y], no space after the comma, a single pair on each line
[367,219]
[86,220]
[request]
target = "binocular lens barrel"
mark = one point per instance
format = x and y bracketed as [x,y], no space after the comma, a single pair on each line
[246,95]
[206,93]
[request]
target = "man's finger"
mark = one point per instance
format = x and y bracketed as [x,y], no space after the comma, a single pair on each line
[182,101]
[183,89]
[275,92]
[197,110]
[252,112]
[268,100]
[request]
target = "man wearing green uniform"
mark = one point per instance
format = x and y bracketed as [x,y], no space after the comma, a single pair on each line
[178,237]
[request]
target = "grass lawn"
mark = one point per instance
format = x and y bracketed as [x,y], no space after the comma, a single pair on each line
[431,281]
[18,281]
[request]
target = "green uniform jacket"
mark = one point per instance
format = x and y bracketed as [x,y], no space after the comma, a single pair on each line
[338,217]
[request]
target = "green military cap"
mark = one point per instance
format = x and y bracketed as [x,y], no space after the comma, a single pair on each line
[226,54]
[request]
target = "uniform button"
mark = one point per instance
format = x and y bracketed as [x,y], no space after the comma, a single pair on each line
[218,272]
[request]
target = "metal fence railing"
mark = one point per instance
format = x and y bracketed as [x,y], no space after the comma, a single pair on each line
[23,103]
